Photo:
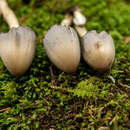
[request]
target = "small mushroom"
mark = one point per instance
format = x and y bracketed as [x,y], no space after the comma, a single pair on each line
[98,50]
[61,44]
[17,49]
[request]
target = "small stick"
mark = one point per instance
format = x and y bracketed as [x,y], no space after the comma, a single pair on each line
[124,85]
[5,109]
[60,89]
[51,71]
[112,79]
[8,14]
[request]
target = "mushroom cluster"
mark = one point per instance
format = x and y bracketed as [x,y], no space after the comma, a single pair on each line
[62,45]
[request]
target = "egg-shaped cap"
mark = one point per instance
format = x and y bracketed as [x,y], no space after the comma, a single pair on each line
[61,44]
[17,49]
[98,50]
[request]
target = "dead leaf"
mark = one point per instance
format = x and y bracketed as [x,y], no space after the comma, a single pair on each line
[5,109]
[23,19]
[103,128]
[128,124]
[1,71]
[127,39]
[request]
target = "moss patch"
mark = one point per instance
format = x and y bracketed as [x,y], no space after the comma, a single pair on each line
[85,99]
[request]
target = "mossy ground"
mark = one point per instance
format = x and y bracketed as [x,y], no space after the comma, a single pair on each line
[83,100]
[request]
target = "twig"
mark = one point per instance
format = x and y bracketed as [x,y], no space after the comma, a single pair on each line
[124,85]
[5,109]
[103,128]
[113,120]
[60,89]
[112,79]
[51,71]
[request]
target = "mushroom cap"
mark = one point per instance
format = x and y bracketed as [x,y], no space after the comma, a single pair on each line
[98,50]
[61,44]
[17,49]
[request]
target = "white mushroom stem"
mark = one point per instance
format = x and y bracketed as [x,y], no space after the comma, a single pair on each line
[79,21]
[81,30]
[8,14]
[67,21]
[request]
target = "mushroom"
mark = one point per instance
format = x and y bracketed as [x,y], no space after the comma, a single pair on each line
[17,47]
[61,44]
[97,48]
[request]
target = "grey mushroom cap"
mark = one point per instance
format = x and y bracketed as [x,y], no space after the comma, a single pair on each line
[98,50]
[61,44]
[17,49]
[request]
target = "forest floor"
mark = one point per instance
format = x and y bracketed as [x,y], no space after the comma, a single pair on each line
[85,99]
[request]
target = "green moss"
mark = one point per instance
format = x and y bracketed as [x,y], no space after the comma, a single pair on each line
[85,99]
